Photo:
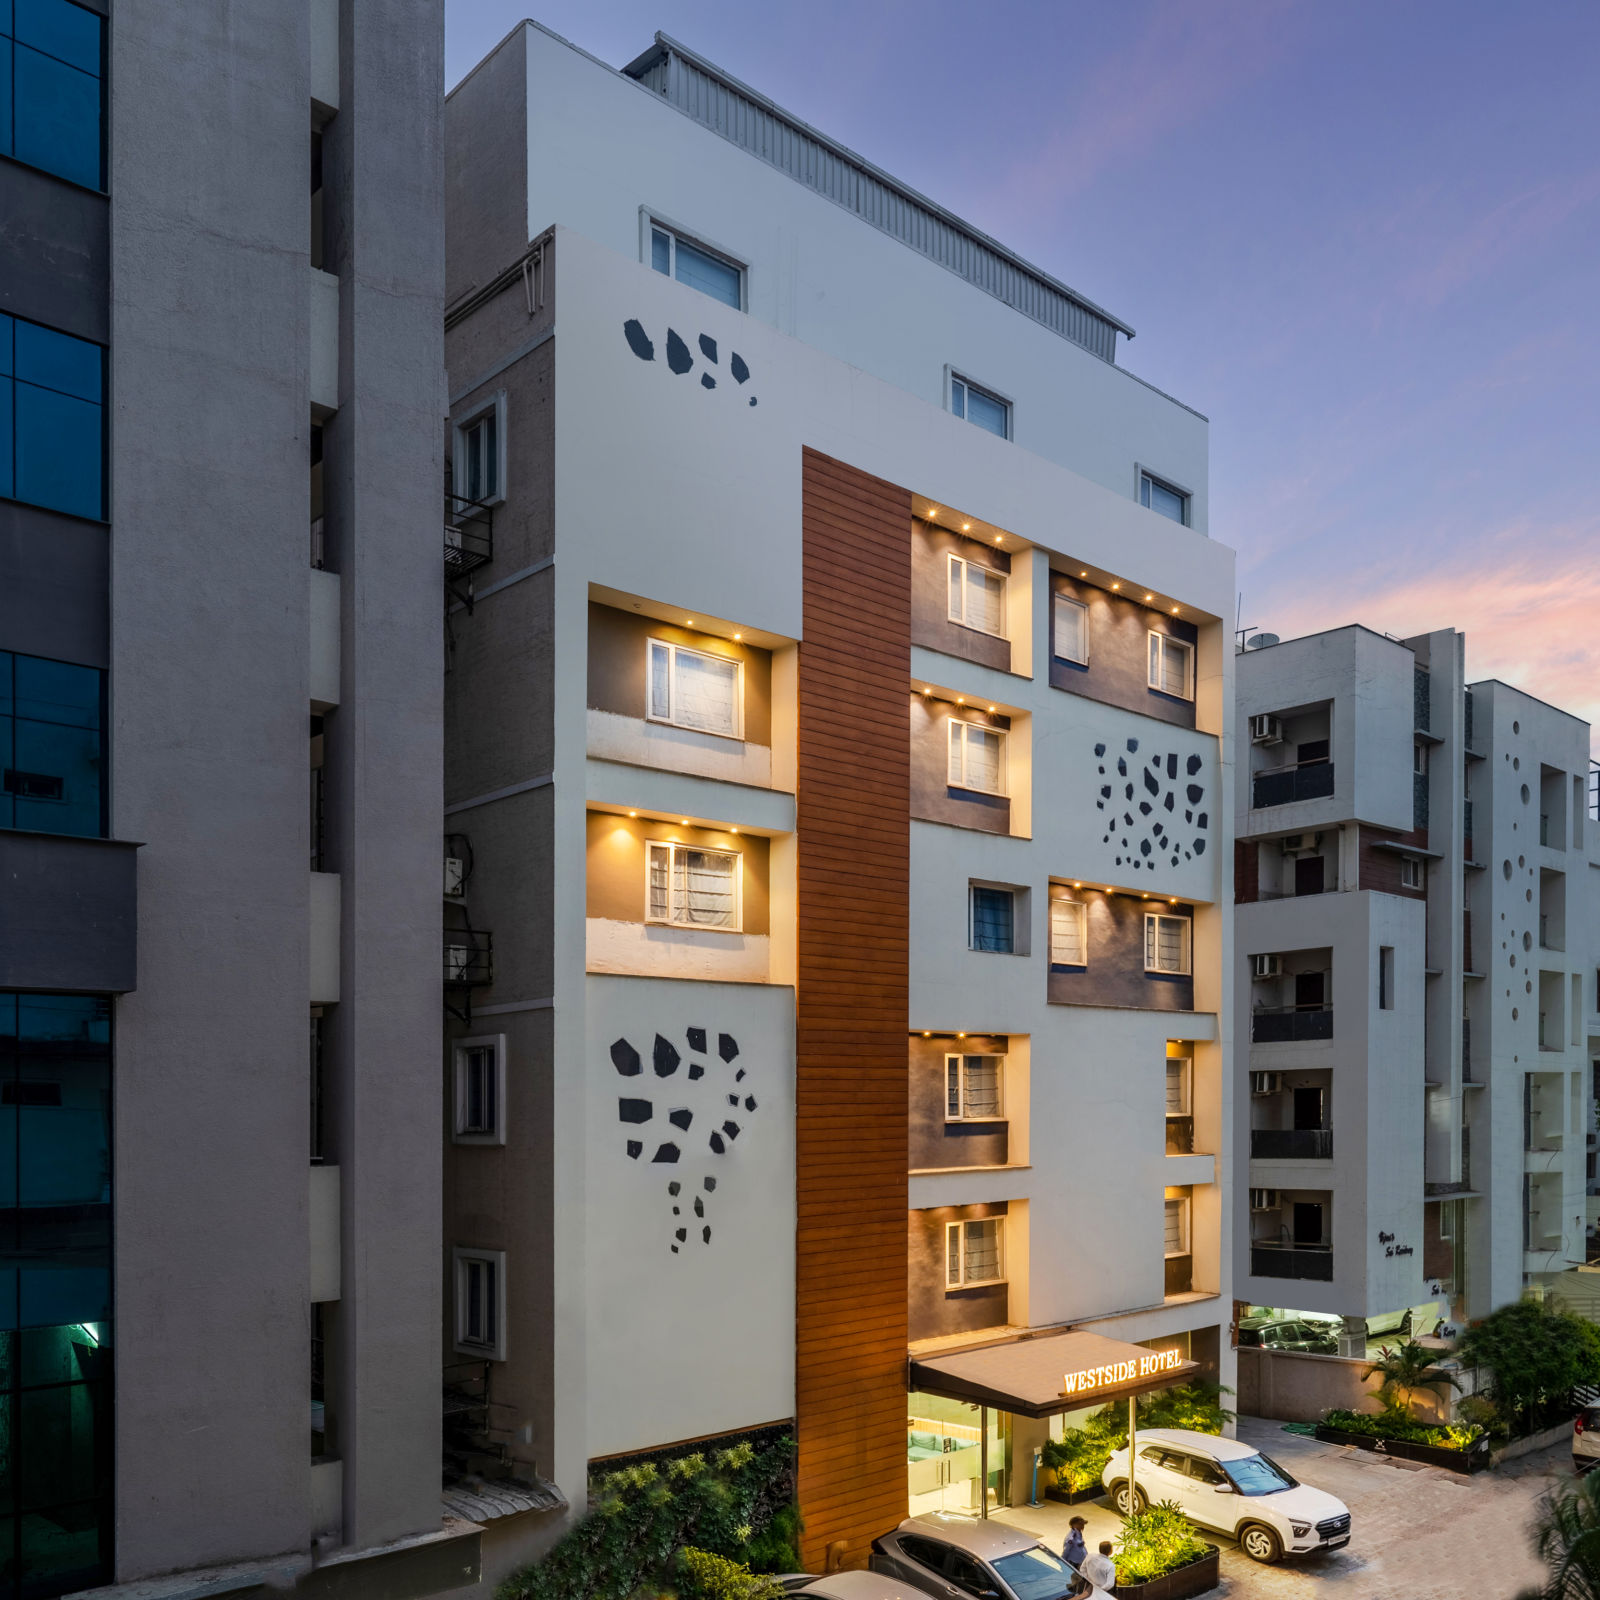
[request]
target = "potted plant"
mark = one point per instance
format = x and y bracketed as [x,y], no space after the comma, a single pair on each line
[1160,1557]
[1402,1372]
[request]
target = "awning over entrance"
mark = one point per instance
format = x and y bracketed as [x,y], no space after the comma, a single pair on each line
[1047,1374]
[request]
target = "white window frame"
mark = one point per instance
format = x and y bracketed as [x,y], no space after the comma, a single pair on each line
[1152,673]
[1161,481]
[963,563]
[652,644]
[1182,1202]
[957,384]
[494,1348]
[1019,916]
[962,1281]
[1413,874]
[652,222]
[1058,600]
[672,920]
[959,1060]
[1185,1064]
[1187,958]
[461,427]
[460,1133]
[953,738]
[1080,913]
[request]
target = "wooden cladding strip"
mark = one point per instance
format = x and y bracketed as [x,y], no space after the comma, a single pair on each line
[853,792]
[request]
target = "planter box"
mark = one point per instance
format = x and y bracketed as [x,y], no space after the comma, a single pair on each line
[1196,1578]
[1526,1445]
[1474,1459]
[1073,1497]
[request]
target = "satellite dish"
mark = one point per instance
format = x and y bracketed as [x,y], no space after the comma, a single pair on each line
[1260,641]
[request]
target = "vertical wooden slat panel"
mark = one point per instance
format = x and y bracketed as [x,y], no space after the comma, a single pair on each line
[851,1060]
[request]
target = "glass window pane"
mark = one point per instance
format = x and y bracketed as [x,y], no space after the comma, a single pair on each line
[707,274]
[1072,629]
[1178,1087]
[958,398]
[7,399]
[56,117]
[952,1252]
[992,920]
[489,444]
[985,599]
[660,680]
[956,767]
[58,452]
[1066,933]
[53,780]
[983,760]
[57,691]
[58,361]
[48,1295]
[709,888]
[952,1086]
[67,32]
[6,336]
[1167,502]
[957,569]
[707,692]
[5,94]
[983,1250]
[64,1150]
[660,869]
[982,1086]
[987,412]
[660,251]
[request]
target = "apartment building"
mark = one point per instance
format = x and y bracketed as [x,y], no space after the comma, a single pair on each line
[837,708]
[221,590]
[1412,1076]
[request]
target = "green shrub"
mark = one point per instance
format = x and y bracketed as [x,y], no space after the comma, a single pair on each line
[1155,1541]
[1394,1423]
[704,1575]
[1079,1457]
[1535,1357]
[777,1547]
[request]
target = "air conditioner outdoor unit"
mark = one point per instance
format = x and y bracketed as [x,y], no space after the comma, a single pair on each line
[1298,844]
[1266,730]
[455,875]
[1265,966]
[1266,1082]
[1263,1199]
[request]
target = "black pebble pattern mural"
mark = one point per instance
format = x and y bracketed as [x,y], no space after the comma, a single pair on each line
[723,1106]
[680,358]
[1143,796]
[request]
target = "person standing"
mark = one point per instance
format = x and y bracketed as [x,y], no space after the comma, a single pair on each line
[1100,1569]
[1074,1551]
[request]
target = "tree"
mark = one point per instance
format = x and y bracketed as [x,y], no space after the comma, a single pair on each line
[1567,1538]
[1403,1370]
[1535,1356]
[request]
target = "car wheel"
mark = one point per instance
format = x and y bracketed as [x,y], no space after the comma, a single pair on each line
[1259,1543]
[1128,1501]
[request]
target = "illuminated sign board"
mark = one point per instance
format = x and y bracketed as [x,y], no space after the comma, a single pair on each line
[1119,1372]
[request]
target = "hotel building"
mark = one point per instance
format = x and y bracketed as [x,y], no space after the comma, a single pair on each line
[838,947]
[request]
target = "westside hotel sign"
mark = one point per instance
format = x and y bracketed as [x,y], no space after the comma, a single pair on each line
[1112,1375]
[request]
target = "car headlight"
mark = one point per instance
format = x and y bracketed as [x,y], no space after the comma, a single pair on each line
[1300,1529]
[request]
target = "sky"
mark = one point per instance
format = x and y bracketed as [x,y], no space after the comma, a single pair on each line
[1363,238]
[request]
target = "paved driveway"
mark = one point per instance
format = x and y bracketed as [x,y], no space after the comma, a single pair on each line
[1417,1533]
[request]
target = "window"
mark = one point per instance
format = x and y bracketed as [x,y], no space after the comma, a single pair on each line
[480,1090]
[973,1252]
[52,747]
[977,757]
[481,1303]
[1411,872]
[988,411]
[1166,944]
[696,690]
[700,268]
[51,98]
[1177,1227]
[1072,629]
[480,453]
[52,436]
[1069,940]
[972,1087]
[1171,665]
[1386,977]
[692,888]
[993,919]
[977,596]
[1163,498]
[1419,759]
[1178,1086]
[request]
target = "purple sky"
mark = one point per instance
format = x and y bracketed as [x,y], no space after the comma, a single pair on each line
[1363,238]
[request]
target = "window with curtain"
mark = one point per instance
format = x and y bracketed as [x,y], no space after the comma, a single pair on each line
[979,407]
[1069,941]
[1177,1227]
[692,264]
[977,757]
[1166,944]
[977,596]
[1172,665]
[51,88]
[993,919]
[52,429]
[692,888]
[1163,499]
[695,689]
[973,1251]
[1177,1086]
[972,1086]
[1072,629]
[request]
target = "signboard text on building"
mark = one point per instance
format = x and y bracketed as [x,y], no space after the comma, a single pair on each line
[1108,1376]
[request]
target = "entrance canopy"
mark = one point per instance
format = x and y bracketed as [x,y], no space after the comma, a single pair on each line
[1047,1374]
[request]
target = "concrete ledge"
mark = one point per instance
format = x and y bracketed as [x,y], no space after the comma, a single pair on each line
[68,913]
[1535,1441]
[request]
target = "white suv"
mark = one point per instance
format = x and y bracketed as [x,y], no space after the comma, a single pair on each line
[1231,1487]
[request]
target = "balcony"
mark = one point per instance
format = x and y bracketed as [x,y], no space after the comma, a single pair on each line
[468,535]
[468,958]
[1308,1262]
[1180,1136]
[1311,780]
[1291,1144]
[1290,1024]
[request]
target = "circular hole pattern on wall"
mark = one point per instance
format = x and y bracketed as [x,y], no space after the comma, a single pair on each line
[1505,867]
[1516,727]
[1513,1013]
[1516,763]
[1527,941]
[1524,794]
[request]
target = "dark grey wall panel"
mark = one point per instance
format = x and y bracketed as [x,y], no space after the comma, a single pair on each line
[1118,672]
[934,1141]
[67,913]
[54,252]
[53,586]
[930,596]
[932,797]
[1115,974]
[935,1310]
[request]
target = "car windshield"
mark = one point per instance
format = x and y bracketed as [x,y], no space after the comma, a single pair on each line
[1034,1573]
[1257,1475]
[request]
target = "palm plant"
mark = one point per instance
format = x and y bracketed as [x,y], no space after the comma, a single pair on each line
[1567,1538]
[1405,1369]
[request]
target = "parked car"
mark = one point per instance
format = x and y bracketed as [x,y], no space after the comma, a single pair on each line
[1586,1439]
[848,1586]
[1229,1486]
[954,1557]
[1272,1333]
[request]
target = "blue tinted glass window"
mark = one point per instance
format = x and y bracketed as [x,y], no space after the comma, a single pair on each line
[58,361]
[5,346]
[58,451]
[7,432]
[52,757]
[992,920]
[57,691]
[60,29]
[51,93]
[660,252]
[987,412]
[5,79]
[710,276]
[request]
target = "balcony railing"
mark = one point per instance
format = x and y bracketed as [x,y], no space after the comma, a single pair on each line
[1180,1136]
[468,535]
[1292,1261]
[468,958]
[1290,1024]
[1311,781]
[1292,1144]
